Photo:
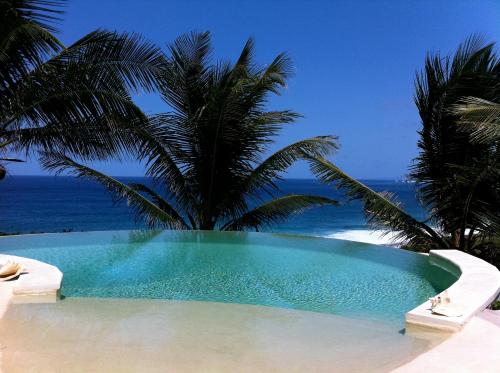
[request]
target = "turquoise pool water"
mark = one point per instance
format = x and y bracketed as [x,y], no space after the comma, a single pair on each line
[307,273]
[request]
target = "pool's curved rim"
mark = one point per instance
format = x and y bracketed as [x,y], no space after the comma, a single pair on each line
[475,289]
[40,285]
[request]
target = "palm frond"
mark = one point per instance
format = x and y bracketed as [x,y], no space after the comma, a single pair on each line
[276,211]
[185,77]
[276,74]
[86,84]
[86,80]
[152,213]
[245,64]
[159,201]
[43,13]
[162,147]
[123,57]
[480,117]
[26,37]
[382,210]
[264,176]
[480,205]
[97,139]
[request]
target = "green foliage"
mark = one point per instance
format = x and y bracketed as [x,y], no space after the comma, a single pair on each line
[207,154]
[74,99]
[458,177]
[482,117]
[457,169]
[382,210]
[120,191]
[275,211]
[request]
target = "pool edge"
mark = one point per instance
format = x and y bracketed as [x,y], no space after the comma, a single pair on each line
[40,285]
[475,289]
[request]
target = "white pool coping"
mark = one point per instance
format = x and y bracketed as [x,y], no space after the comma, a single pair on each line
[40,284]
[476,288]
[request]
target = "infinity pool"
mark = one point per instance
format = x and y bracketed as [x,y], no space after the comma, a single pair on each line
[305,273]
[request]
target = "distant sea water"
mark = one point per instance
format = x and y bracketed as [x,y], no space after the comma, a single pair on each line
[30,204]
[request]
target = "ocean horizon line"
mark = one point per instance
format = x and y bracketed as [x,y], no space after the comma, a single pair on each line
[396,179]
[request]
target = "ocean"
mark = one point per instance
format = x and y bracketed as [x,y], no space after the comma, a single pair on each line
[33,204]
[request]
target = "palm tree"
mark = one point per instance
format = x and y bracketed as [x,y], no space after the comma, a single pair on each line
[206,155]
[458,178]
[73,99]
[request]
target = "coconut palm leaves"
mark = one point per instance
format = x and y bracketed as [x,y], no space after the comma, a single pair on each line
[456,170]
[482,118]
[206,155]
[382,210]
[26,38]
[73,98]
[457,177]
[158,212]
[275,211]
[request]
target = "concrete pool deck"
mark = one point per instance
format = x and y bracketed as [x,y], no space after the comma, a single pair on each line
[476,348]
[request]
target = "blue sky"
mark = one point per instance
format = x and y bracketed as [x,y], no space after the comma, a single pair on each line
[355,62]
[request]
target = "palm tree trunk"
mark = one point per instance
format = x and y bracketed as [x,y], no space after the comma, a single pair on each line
[207,222]
[456,239]
[207,226]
